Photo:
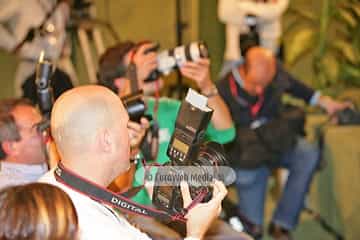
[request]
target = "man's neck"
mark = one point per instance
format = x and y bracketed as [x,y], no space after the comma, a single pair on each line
[91,173]
[21,161]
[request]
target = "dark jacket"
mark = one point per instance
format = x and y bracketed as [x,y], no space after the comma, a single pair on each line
[278,132]
[282,83]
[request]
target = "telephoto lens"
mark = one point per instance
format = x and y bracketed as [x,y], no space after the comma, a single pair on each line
[169,59]
[173,58]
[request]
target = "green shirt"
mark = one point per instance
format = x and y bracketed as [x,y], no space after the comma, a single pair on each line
[166,118]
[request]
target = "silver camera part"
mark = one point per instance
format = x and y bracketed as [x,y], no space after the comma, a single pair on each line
[172,58]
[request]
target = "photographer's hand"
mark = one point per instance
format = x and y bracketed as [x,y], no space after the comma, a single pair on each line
[137,132]
[332,106]
[199,71]
[202,215]
[145,62]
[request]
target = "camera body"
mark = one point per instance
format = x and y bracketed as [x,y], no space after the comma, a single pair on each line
[348,116]
[44,72]
[187,148]
[45,95]
[134,105]
[170,59]
[80,9]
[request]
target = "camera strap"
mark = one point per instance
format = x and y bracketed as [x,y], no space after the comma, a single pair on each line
[199,197]
[105,196]
[132,76]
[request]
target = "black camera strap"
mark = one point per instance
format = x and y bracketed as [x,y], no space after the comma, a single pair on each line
[102,195]
[131,74]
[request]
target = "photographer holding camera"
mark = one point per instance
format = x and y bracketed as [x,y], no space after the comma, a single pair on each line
[89,126]
[267,138]
[250,22]
[113,68]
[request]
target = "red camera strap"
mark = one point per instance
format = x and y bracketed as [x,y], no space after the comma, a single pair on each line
[105,196]
[119,201]
[255,108]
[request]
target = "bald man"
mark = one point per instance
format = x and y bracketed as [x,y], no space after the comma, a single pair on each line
[89,126]
[253,92]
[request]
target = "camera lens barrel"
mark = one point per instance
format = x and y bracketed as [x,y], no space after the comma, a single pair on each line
[189,52]
[173,58]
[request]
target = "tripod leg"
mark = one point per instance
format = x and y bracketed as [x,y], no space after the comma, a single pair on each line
[99,43]
[86,50]
[67,66]
[96,34]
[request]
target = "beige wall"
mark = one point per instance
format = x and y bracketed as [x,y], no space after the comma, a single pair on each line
[7,68]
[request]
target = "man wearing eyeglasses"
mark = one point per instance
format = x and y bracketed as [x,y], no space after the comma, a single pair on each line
[22,151]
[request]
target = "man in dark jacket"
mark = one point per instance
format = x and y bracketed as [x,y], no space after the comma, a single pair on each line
[253,92]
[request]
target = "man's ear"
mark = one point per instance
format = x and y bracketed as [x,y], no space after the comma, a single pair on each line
[104,141]
[8,147]
[119,83]
[123,86]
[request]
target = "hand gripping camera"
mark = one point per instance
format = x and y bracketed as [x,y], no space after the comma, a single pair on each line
[187,148]
[170,59]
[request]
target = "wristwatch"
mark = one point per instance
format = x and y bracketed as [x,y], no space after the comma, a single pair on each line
[211,93]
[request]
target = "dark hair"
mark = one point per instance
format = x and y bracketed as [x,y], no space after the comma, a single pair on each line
[8,128]
[60,83]
[112,65]
[37,211]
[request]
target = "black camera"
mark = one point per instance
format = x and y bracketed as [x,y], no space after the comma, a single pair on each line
[170,59]
[348,116]
[44,72]
[251,38]
[135,105]
[187,150]
[80,9]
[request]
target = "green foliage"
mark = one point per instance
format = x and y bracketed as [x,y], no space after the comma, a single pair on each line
[332,38]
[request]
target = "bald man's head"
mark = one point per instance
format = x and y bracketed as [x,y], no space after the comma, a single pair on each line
[260,68]
[89,120]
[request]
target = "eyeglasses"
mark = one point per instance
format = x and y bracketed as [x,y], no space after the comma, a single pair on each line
[34,128]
